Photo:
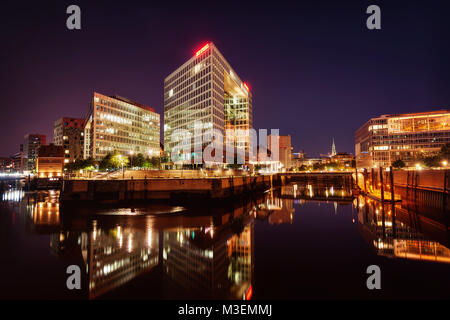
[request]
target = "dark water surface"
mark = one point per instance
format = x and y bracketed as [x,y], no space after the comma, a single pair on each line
[297,242]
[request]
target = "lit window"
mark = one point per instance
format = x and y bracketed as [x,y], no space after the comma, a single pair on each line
[171,92]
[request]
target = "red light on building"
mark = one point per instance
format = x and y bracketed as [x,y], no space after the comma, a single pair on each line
[248,293]
[246,86]
[203,49]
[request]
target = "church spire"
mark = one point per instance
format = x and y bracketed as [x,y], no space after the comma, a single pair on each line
[333,149]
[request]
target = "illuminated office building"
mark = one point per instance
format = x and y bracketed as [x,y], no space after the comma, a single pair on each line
[30,150]
[68,133]
[117,123]
[381,141]
[205,91]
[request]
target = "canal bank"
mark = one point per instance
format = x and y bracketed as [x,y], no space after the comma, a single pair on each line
[180,190]
[428,189]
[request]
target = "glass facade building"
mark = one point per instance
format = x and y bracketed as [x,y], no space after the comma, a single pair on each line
[117,123]
[206,93]
[408,137]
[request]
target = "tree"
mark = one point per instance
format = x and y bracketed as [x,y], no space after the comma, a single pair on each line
[445,151]
[105,163]
[155,162]
[80,164]
[432,161]
[139,160]
[398,164]
[118,160]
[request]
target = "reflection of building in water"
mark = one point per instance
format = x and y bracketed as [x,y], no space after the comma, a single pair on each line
[15,195]
[46,214]
[277,210]
[316,192]
[209,262]
[118,255]
[282,210]
[379,226]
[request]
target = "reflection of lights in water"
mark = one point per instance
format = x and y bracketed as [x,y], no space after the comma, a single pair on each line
[13,195]
[149,238]
[130,243]
[120,236]
[94,229]
[310,190]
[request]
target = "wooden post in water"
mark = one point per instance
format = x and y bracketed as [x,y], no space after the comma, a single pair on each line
[372,180]
[444,195]
[382,186]
[391,179]
[365,180]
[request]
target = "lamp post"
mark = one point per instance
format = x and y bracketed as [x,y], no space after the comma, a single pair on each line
[131,158]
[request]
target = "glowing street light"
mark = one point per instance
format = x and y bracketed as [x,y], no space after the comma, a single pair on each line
[444,163]
[131,153]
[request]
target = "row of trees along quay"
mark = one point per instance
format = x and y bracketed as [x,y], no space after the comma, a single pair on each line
[113,161]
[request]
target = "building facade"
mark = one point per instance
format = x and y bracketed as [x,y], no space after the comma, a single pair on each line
[343,158]
[31,144]
[117,123]
[68,133]
[408,137]
[285,149]
[205,93]
[50,161]
[6,164]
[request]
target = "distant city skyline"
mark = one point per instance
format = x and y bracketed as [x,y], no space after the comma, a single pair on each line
[315,70]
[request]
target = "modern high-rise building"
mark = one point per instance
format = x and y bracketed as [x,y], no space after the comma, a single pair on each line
[207,93]
[408,137]
[31,144]
[68,132]
[117,123]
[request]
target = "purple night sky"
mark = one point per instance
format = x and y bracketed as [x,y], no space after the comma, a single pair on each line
[315,70]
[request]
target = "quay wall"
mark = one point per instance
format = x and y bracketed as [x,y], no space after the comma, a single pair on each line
[181,189]
[423,189]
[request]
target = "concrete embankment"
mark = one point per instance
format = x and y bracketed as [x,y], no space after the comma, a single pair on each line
[179,190]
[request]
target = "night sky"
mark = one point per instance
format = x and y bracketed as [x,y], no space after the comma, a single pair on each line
[315,70]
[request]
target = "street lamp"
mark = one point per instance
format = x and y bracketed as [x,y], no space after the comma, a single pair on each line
[444,163]
[131,158]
